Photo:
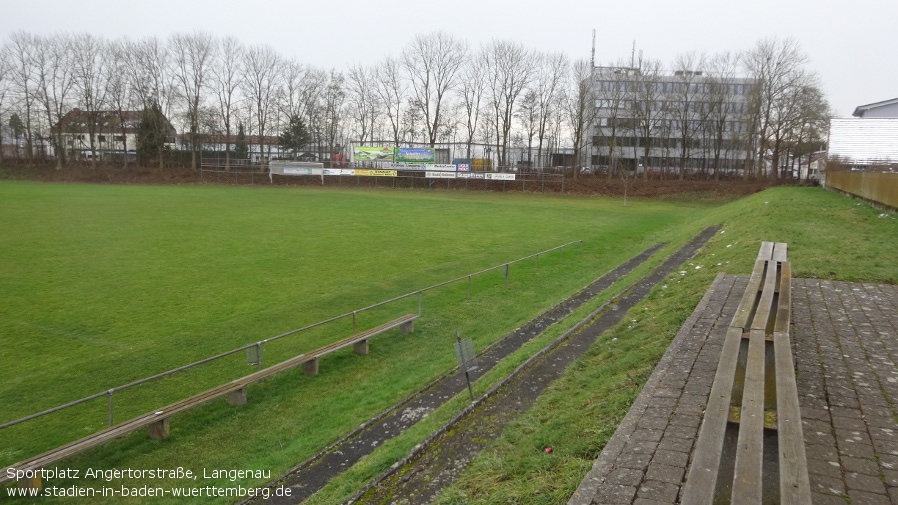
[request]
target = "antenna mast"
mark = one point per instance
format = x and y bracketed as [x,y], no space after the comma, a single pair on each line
[592,58]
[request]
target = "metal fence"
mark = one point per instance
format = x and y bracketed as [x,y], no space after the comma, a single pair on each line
[550,179]
[877,187]
[255,349]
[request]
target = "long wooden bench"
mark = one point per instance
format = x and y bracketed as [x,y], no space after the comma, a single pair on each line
[157,421]
[750,448]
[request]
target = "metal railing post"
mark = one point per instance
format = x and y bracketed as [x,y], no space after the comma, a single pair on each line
[109,395]
[353,322]
[506,273]
[469,287]
[420,302]
[258,355]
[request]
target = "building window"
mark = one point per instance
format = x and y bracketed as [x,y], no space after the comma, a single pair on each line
[101,138]
[118,138]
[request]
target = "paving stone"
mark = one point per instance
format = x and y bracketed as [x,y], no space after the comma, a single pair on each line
[639,461]
[860,465]
[665,473]
[659,491]
[827,499]
[677,444]
[624,477]
[865,498]
[671,458]
[647,435]
[614,494]
[643,501]
[867,483]
[826,468]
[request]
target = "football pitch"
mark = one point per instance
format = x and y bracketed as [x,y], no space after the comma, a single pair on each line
[102,285]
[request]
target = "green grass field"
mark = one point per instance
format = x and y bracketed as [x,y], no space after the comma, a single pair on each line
[101,285]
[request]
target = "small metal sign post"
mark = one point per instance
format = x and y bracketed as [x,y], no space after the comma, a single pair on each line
[467,360]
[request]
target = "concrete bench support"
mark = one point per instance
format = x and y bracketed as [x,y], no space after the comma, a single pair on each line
[360,347]
[159,430]
[310,367]
[237,397]
[408,327]
[33,482]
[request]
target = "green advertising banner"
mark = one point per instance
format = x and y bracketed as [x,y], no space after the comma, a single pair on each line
[364,153]
[415,155]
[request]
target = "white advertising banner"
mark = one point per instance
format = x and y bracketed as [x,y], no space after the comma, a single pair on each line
[433,174]
[500,177]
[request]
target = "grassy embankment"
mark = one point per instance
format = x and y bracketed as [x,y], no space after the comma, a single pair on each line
[101,285]
[829,236]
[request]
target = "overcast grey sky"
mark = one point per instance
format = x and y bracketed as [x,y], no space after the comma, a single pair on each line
[852,44]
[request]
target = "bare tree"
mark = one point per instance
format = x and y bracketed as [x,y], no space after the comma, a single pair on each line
[551,72]
[363,101]
[612,84]
[470,91]
[192,56]
[327,124]
[647,110]
[528,115]
[227,77]
[262,77]
[5,93]
[433,62]
[20,52]
[150,79]
[391,89]
[509,69]
[724,112]
[55,85]
[688,68]
[92,74]
[120,95]
[580,107]
[777,69]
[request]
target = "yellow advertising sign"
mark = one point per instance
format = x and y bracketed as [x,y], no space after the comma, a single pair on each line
[376,173]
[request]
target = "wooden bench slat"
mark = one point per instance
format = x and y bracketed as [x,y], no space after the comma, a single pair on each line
[699,488]
[795,488]
[748,473]
[765,302]
[784,305]
[780,252]
[750,296]
[766,251]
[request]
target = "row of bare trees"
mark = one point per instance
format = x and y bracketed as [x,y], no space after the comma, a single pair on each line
[437,90]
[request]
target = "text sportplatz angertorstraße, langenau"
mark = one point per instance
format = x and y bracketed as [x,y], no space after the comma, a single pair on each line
[166,482]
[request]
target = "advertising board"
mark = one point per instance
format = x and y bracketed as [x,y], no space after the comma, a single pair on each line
[414,155]
[367,153]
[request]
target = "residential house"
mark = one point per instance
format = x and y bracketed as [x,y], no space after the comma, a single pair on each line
[886,108]
[112,132]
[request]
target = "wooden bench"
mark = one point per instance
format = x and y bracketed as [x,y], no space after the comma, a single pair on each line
[157,421]
[750,447]
[359,341]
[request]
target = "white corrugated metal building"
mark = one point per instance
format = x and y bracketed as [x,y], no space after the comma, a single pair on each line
[864,141]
